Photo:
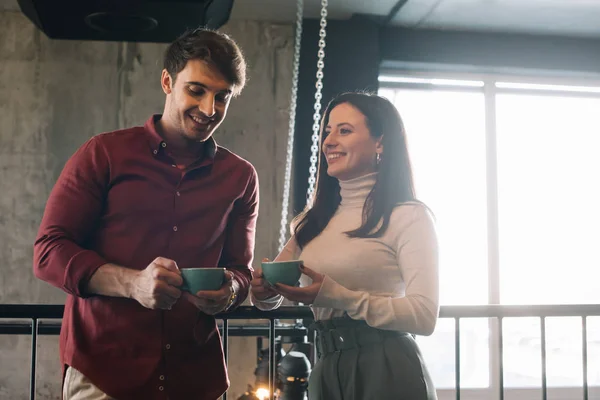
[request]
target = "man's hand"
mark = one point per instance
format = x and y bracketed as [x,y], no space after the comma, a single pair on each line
[212,302]
[157,286]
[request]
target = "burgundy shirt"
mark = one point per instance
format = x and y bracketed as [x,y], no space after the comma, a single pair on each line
[121,199]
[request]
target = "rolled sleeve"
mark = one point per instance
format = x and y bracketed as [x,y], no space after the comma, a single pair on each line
[238,251]
[72,213]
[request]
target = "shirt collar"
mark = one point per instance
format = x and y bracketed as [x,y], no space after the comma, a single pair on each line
[157,143]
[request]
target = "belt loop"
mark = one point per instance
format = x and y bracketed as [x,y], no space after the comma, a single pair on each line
[327,342]
[332,340]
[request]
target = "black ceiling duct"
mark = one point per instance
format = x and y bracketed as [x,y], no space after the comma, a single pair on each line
[159,21]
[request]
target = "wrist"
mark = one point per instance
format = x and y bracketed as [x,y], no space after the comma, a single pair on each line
[235,287]
[265,297]
[129,282]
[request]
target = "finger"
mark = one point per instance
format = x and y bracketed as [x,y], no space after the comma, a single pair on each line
[257,273]
[289,291]
[165,302]
[206,306]
[198,301]
[268,285]
[228,276]
[293,296]
[261,290]
[214,295]
[288,288]
[311,273]
[260,282]
[167,276]
[172,278]
[265,294]
[168,290]
[167,263]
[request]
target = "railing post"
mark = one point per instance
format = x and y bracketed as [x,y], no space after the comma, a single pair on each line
[457,356]
[34,330]
[226,347]
[501,356]
[272,359]
[543,340]
[584,353]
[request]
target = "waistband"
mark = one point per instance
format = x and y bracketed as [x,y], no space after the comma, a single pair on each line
[339,334]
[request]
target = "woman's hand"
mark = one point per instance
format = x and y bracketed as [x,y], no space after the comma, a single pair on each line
[260,288]
[307,294]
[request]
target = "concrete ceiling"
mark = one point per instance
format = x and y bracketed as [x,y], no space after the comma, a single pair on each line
[557,17]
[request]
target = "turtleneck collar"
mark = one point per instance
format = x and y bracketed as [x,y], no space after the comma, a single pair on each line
[355,191]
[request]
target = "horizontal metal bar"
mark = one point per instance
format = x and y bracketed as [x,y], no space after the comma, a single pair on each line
[39,311]
[495,311]
[429,86]
[24,328]
[53,328]
[46,311]
[55,311]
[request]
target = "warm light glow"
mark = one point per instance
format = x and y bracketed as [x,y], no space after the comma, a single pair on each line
[262,393]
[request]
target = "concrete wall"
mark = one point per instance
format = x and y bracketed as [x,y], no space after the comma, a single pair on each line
[54,95]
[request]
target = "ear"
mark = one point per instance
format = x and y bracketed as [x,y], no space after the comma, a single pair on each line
[379,145]
[166,82]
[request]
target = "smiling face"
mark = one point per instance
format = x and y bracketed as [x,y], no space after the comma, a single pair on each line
[197,100]
[348,147]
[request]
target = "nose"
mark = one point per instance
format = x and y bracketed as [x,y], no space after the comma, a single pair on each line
[207,106]
[329,142]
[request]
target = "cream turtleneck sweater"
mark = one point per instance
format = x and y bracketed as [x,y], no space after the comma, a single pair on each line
[391,282]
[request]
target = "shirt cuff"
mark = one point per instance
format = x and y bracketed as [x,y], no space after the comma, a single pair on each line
[79,271]
[267,304]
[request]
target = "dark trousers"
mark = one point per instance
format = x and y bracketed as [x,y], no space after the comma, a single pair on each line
[358,362]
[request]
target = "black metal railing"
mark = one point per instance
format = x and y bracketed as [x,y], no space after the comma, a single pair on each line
[539,311]
[34,313]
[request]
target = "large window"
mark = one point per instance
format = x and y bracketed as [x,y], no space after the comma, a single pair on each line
[511,173]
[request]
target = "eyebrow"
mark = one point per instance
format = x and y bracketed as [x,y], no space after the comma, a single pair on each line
[340,124]
[196,83]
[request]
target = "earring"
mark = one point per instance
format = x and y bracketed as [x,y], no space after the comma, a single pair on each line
[378,159]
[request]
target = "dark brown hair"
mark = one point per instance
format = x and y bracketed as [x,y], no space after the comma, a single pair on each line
[214,47]
[394,184]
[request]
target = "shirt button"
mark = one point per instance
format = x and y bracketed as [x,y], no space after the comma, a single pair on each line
[163,144]
[162,377]
[155,151]
[175,229]
[168,346]
[161,388]
[173,165]
[178,194]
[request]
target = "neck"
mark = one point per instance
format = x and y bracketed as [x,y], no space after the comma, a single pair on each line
[178,144]
[354,191]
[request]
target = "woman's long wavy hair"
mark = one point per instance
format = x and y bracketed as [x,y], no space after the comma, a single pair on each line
[394,184]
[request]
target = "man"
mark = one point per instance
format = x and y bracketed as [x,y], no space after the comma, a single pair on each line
[133,207]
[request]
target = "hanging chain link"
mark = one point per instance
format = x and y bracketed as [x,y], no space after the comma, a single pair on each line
[292,126]
[317,115]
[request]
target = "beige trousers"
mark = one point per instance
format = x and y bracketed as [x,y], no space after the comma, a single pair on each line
[78,387]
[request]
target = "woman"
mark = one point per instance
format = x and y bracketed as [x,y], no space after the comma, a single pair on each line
[372,252]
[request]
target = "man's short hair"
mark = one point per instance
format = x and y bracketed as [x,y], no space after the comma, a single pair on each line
[216,48]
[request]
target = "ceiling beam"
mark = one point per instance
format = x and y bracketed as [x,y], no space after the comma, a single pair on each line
[489,50]
[394,11]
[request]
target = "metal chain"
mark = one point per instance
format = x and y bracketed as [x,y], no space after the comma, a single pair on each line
[317,115]
[292,125]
